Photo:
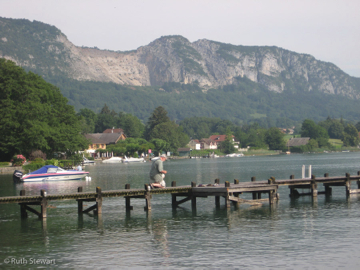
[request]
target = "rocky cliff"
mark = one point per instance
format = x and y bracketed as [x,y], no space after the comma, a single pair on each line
[47,51]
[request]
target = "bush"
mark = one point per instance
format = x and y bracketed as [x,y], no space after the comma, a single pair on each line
[32,167]
[37,154]
[53,161]
[18,160]
[66,163]
[39,160]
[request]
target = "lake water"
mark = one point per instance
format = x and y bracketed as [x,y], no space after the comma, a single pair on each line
[294,234]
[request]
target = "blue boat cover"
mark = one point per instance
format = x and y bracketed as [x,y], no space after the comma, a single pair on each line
[43,169]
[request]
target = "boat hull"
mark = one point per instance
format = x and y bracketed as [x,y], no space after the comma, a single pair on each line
[54,177]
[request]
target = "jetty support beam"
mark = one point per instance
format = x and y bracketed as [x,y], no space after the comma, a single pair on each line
[147,198]
[24,207]
[127,200]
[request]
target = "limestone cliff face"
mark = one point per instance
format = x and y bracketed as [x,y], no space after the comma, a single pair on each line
[172,59]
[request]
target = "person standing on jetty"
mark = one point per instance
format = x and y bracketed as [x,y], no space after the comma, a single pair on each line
[157,173]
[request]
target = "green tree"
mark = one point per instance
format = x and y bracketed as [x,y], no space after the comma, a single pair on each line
[159,146]
[171,133]
[88,120]
[336,130]
[132,126]
[274,139]
[105,121]
[35,115]
[158,116]
[350,136]
[227,146]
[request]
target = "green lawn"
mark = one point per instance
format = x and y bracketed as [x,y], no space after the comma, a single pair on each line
[337,143]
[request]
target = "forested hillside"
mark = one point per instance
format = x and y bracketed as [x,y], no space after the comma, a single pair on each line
[241,103]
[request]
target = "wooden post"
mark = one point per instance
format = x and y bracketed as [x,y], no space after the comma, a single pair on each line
[217,198]
[347,184]
[314,191]
[128,207]
[193,198]
[147,198]
[80,202]
[254,194]
[98,200]
[173,196]
[292,190]
[358,181]
[43,203]
[22,206]
[227,201]
[271,196]
[326,174]
[236,204]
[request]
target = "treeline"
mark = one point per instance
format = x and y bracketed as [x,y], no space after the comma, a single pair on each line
[162,134]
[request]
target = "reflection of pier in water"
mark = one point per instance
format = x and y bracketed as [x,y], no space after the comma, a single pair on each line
[231,192]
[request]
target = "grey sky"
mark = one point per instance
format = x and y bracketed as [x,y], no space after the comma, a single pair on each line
[327,29]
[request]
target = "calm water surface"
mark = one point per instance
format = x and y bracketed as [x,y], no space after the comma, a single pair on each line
[295,234]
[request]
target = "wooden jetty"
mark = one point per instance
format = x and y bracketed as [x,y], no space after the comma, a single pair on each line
[229,191]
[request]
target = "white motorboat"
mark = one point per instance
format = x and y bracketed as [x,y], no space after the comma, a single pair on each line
[87,161]
[50,173]
[235,155]
[113,160]
[131,159]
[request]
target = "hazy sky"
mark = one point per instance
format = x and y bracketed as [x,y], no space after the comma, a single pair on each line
[327,29]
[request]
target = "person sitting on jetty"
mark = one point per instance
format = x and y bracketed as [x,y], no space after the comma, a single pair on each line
[157,173]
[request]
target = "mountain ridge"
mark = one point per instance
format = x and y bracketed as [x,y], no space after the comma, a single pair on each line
[208,64]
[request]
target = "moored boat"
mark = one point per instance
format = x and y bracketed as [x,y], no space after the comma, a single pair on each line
[87,161]
[112,160]
[50,173]
[235,155]
[131,159]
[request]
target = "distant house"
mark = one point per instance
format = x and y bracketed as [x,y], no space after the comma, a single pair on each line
[101,140]
[218,139]
[297,141]
[207,144]
[195,144]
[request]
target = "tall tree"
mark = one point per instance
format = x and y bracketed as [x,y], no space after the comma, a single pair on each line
[350,136]
[227,146]
[88,120]
[34,115]
[158,116]
[275,139]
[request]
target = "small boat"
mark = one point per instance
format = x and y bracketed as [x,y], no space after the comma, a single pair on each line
[131,159]
[50,173]
[235,155]
[113,160]
[87,161]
